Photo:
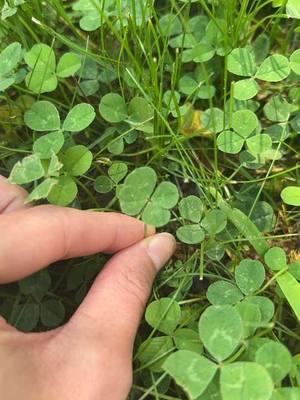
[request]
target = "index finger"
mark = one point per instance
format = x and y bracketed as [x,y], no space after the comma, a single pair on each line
[34,238]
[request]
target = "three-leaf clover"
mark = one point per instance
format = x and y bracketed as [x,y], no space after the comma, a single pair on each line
[245,129]
[242,62]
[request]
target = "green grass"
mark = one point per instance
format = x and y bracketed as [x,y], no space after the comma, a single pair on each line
[185,97]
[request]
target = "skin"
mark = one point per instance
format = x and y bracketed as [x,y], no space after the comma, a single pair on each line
[89,358]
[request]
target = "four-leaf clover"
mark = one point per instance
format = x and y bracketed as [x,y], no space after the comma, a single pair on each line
[140,195]
[191,209]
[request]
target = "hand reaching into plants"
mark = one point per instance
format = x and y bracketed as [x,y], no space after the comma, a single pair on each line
[90,357]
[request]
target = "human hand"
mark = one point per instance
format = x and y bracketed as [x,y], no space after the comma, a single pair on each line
[90,357]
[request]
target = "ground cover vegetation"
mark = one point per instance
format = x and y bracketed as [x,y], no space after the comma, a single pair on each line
[184,114]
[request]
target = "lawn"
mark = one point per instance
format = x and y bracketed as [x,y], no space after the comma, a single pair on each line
[186,115]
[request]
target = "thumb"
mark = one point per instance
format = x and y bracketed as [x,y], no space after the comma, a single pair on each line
[115,304]
[12,197]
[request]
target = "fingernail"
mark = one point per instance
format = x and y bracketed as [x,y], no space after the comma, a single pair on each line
[160,248]
[149,230]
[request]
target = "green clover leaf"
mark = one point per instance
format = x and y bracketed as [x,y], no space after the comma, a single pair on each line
[293,9]
[42,191]
[184,366]
[201,52]
[245,381]
[154,351]
[68,65]
[117,171]
[276,358]
[241,62]
[63,192]
[291,195]
[295,61]
[276,259]
[274,69]
[221,330]
[190,234]
[213,119]
[113,108]
[40,57]
[27,170]
[164,315]
[249,275]
[230,142]
[138,187]
[214,222]
[278,109]
[266,307]
[42,77]
[187,339]
[164,198]
[48,144]
[245,89]
[36,285]
[9,58]
[140,114]
[259,143]
[251,317]
[244,122]
[103,184]
[261,47]
[52,313]
[222,292]
[79,118]
[42,116]
[191,209]
[77,160]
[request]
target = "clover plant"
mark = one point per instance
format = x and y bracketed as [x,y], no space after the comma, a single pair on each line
[140,194]
[44,73]
[185,115]
[57,168]
[191,209]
